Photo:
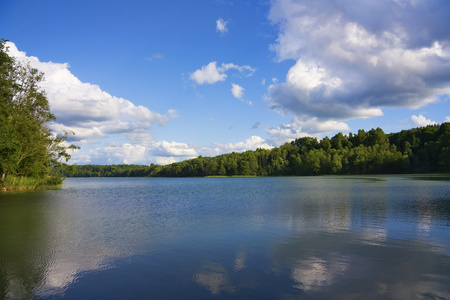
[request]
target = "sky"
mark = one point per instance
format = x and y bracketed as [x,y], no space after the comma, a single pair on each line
[142,82]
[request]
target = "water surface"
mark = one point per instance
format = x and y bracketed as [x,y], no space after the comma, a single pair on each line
[372,237]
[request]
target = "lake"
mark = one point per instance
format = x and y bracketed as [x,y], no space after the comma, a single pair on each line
[336,237]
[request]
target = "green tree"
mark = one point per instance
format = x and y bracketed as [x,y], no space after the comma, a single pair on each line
[325,144]
[306,143]
[339,141]
[27,146]
[232,164]
[336,164]
[377,137]
[221,171]
[312,162]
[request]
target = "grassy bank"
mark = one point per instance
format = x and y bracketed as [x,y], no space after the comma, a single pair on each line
[16,183]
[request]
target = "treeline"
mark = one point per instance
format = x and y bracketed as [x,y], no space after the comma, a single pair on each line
[419,150]
[106,171]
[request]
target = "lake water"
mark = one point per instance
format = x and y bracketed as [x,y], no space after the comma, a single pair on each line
[373,237]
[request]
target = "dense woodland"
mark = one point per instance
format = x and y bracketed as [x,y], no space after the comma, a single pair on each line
[29,152]
[419,150]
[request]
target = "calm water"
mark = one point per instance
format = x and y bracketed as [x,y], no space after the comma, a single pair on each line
[385,237]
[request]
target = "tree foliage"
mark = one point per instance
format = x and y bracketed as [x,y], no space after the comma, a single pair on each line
[27,146]
[418,150]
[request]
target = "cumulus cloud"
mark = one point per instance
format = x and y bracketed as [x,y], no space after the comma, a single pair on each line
[301,127]
[251,143]
[221,26]
[212,73]
[159,152]
[174,149]
[94,115]
[237,91]
[421,121]
[350,63]
[310,91]
[163,152]
[84,108]
[208,74]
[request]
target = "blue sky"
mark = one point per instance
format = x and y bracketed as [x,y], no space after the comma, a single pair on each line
[162,81]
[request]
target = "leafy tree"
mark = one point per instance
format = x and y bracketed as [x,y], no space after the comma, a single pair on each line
[338,141]
[325,144]
[221,171]
[27,146]
[306,143]
[336,164]
[377,137]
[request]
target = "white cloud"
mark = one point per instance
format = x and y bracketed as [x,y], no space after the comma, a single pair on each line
[221,26]
[301,127]
[174,149]
[147,152]
[251,143]
[163,152]
[421,121]
[316,126]
[160,152]
[307,76]
[350,63]
[237,91]
[284,133]
[297,98]
[94,115]
[211,73]
[447,119]
[84,108]
[208,74]
[246,69]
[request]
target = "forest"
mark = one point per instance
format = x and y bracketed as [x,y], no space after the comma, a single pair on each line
[418,150]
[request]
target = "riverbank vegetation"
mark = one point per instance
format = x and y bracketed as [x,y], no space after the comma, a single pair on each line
[16,183]
[418,150]
[29,151]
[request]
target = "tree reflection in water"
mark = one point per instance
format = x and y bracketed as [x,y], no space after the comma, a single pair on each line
[24,250]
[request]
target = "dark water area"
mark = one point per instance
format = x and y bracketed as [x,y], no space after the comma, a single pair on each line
[343,237]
